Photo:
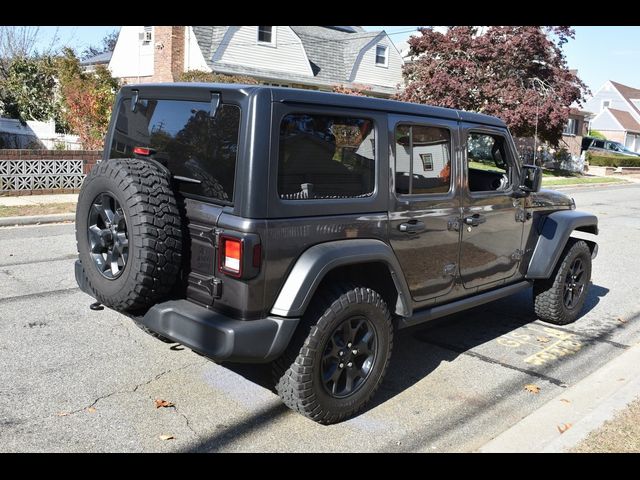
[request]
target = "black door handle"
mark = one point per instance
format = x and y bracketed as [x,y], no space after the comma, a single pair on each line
[474,220]
[414,226]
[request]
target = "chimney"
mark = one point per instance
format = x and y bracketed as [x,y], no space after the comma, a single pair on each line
[168,53]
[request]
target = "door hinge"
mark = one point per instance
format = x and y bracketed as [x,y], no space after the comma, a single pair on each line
[517,255]
[453,224]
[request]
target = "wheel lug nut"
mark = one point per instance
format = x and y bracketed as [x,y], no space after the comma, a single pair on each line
[354,351]
[349,344]
[341,365]
[341,353]
[350,364]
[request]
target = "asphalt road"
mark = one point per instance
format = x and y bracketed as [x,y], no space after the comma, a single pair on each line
[76,380]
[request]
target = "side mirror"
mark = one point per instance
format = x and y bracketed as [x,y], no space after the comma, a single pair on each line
[531,180]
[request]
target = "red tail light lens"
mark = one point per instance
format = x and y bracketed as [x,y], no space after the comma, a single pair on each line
[230,257]
[144,151]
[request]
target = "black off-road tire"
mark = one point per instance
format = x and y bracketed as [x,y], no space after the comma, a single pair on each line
[143,190]
[298,371]
[549,294]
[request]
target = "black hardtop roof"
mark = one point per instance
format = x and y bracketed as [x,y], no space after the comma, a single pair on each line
[298,95]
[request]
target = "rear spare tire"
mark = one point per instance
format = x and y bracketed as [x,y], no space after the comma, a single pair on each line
[128,233]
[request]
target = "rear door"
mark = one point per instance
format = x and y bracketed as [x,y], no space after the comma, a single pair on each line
[492,219]
[425,203]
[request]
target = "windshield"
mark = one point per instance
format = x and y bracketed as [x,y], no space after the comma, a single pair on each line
[200,149]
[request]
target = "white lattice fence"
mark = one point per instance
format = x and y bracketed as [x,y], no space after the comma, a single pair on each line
[17,175]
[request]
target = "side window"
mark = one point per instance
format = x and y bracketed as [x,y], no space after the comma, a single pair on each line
[326,156]
[488,162]
[423,160]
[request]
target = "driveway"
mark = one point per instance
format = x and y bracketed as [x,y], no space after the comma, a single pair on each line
[80,380]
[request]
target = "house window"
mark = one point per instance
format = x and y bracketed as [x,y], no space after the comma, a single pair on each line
[571,128]
[265,34]
[605,104]
[146,35]
[381,55]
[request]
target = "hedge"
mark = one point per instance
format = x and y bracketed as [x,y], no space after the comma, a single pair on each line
[598,160]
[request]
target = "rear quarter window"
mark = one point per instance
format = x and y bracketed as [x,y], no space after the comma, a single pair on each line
[325,157]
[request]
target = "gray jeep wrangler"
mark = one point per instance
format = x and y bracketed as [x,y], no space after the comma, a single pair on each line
[300,228]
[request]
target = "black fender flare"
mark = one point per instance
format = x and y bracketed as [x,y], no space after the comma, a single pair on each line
[553,235]
[317,261]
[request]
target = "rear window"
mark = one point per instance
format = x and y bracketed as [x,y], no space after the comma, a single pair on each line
[186,139]
[326,156]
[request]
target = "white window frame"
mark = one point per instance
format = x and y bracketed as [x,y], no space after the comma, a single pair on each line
[386,55]
[272,43]
[574,131]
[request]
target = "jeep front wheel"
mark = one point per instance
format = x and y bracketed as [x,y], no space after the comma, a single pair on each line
[560,298]
[338,356]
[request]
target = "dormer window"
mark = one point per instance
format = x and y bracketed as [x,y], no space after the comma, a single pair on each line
[266,35]
[381,55]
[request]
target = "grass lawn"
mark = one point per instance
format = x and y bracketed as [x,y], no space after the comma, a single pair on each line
[551,182]
[621,434]
[44,209]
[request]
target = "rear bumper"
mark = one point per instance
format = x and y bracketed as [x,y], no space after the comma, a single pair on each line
[213,334]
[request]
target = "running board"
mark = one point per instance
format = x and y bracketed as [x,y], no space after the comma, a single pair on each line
[432,313]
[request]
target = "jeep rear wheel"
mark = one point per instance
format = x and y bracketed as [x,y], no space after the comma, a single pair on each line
[338,356]
[560,298]
[128,233]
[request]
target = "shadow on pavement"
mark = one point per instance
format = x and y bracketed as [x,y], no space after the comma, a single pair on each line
[417,352]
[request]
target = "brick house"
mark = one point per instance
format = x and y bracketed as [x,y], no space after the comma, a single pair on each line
[314,57]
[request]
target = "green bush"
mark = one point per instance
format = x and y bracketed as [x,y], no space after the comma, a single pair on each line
[604,160]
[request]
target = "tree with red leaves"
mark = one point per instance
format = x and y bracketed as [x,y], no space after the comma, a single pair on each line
[519,74]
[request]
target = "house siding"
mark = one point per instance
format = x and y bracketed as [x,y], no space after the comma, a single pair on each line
[125,61]
[605,121]
[240,47]
[615,135]
[365,70]
[609,92]
[193,58]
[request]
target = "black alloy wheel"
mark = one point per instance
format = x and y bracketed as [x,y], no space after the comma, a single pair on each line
[348,357]
[108,236]
[574,284]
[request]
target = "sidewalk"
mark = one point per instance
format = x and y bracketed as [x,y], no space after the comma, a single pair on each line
[565,421]
[37,209]
[38,199]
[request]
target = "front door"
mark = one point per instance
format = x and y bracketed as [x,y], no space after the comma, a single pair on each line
[492,219]
[425,203]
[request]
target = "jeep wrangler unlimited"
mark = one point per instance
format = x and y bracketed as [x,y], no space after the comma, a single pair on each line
[300,228]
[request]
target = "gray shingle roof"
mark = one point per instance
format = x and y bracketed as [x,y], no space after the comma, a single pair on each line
[103,57]
[331,51]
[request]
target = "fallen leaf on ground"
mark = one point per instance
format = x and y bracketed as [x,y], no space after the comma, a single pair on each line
[91,410]
[163,403]
[622,320]
[63,414]
[543,339]
[532,388]
[564,427]
[167,437]
[565,400]
[621,379]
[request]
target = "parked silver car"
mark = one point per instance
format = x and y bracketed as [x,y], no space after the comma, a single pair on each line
[606,146]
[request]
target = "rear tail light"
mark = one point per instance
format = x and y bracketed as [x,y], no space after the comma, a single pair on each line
[144,151]
[230,257]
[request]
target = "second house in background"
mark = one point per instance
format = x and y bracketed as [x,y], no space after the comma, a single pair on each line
[313,57]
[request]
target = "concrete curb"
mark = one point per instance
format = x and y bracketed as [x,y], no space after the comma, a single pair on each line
[36,219]
[586,185]
[585,406]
